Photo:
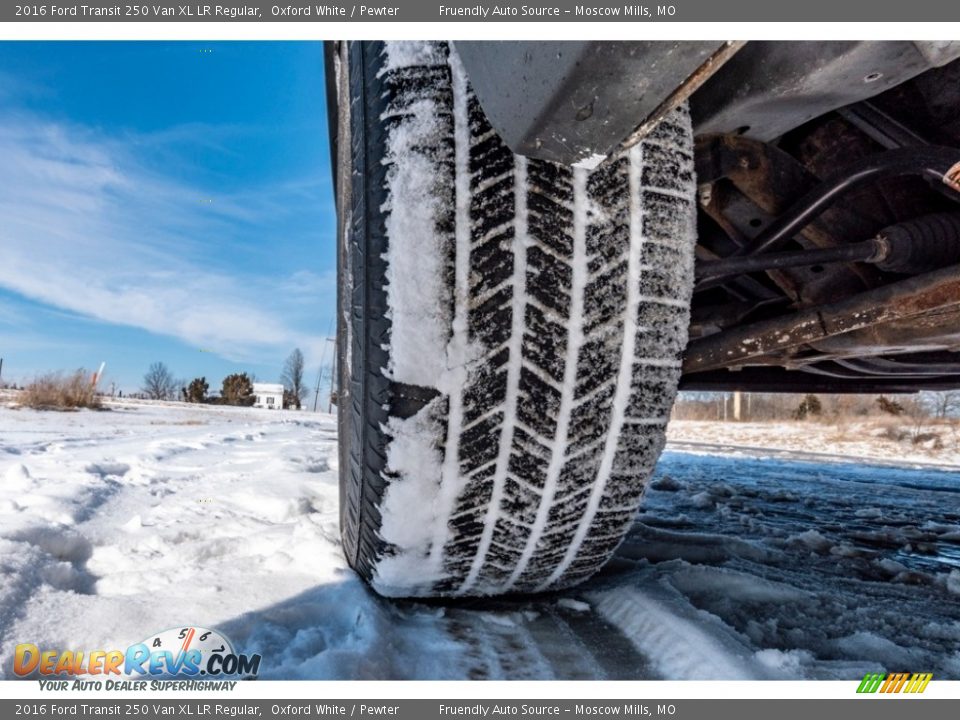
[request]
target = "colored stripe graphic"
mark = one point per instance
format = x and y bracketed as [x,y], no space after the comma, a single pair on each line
[871,682]
[894,683]
[919,682]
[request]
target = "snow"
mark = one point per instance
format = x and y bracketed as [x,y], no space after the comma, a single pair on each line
[416,292]
[783,662]
[848,441]
[782,558]
[417,295]
[416,462]
[590,163]
[400,55]
[813,540]
[456,351]
[106,510]
[423,349]
[678,643]
[118,524]
[953,581]
[575,605]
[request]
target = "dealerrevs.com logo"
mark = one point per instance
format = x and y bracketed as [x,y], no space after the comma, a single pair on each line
[186,653]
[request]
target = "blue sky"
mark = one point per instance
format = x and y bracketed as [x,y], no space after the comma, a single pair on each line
[164,201]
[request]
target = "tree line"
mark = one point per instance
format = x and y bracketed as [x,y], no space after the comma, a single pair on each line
[159,383]
[764,407]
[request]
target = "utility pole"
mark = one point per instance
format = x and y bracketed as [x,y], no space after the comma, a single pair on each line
[333,375]
[323,357]
[316,395]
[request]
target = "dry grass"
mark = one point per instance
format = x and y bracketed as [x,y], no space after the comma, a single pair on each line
[932,434]
[59,391]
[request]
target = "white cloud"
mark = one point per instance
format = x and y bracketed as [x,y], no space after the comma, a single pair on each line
[88,228]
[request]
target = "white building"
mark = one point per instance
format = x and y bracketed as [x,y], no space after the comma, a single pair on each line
[269,395]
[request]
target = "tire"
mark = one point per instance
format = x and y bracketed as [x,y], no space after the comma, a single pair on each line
[510,335]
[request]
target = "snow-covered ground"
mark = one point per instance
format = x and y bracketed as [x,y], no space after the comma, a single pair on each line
[884,440]
[121,523]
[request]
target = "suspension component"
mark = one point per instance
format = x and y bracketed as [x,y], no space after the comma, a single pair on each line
[921,245]
[866,251]
[939,164]
[909,248]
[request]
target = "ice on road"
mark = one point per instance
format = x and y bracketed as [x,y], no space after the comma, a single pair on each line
[118,524]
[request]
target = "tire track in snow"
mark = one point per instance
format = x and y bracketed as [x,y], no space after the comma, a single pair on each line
[678,647]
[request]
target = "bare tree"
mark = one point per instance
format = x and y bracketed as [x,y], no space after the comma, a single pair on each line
[915,409]
[292,377]
[945,404]
[159,383]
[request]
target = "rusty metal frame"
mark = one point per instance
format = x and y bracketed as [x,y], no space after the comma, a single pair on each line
[897,301]
[684,90]
[777,379]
